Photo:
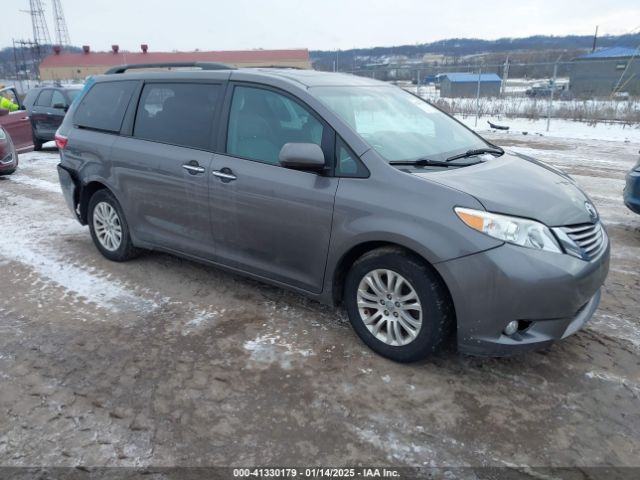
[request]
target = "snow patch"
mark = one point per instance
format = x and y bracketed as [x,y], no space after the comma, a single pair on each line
[611,378]
[201,319]
[271,348]
[35,245]
[36,182]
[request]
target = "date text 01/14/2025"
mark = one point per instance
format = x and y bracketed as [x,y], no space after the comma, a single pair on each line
[315,473]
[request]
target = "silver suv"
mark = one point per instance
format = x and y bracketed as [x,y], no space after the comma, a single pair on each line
[342,188]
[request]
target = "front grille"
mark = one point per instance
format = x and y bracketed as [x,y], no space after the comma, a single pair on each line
[589,237]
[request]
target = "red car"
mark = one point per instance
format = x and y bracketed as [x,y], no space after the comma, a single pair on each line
[15,132]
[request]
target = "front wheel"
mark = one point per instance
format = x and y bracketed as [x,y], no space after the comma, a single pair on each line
[397,305]
[109,229]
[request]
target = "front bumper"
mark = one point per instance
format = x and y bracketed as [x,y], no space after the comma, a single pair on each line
[554,294]
[632,191]
[8,158]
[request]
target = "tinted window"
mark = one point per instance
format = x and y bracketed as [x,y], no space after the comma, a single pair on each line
[103,107]
[44,100]
[58,98]
[262,121]
[178,113]
[347,163]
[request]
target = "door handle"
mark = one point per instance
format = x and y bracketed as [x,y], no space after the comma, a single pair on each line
[193,168]
[225,174]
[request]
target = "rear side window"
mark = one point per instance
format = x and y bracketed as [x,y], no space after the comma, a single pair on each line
[104,106]
[44,99]
[58,99]
[177,113]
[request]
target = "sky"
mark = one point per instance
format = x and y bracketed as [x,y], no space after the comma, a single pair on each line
[318,25]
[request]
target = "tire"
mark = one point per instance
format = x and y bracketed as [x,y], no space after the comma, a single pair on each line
[418,285]
[37,143]
[106,219]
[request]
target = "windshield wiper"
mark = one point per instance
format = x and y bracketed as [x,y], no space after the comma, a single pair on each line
[427,162]
[478,151]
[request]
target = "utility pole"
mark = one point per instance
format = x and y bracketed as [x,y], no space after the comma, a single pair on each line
[15,62]
[595,39]
[478,97]
[553,90]
[60,25]
[505,76]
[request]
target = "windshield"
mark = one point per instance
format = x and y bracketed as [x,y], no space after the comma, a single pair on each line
[398,125]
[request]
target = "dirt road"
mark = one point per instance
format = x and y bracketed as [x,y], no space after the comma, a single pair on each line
[161,361]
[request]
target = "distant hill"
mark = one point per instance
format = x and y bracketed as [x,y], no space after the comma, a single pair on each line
[453,51]
[458,50]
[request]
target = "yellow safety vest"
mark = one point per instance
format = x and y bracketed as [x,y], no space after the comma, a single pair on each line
[8,104]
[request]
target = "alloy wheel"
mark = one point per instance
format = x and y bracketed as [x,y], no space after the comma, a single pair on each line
[389,307]
[107,225]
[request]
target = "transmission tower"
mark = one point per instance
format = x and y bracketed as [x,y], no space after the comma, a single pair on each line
[40,29]
[60,25]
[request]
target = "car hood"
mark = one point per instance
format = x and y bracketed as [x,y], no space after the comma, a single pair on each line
[518,185]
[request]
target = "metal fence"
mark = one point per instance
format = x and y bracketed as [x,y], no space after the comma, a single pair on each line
[599,90]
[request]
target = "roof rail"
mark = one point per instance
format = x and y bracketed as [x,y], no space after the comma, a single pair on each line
[291,67]
[200,65]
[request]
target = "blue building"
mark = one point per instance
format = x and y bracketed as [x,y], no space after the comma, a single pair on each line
[465,85]
[599,73]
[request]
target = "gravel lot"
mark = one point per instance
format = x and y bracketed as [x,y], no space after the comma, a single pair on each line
[162,361]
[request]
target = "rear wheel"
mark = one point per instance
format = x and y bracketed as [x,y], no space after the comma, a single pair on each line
[397,305]
[37,143]
[109,229]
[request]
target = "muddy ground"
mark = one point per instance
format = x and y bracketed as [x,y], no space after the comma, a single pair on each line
[162,361]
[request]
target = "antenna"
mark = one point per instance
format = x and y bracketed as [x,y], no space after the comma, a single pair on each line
[60,25]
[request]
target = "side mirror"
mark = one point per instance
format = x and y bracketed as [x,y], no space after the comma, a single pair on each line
[61,106]
[302,156]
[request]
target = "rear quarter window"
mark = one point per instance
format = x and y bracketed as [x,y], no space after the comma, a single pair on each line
[104,106]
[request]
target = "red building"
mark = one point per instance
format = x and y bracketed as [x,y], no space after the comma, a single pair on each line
[61,65]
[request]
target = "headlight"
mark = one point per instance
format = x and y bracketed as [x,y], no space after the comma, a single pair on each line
[3,136]
[519,231]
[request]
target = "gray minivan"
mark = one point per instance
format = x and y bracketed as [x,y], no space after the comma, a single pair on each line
[345,189]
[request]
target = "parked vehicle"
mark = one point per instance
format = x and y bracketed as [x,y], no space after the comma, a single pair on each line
[47,107]
[16,122]
[345,189]
[544,90]
[632,189]
[8,154]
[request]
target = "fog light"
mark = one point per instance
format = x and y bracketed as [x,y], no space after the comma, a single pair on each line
[511,328]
